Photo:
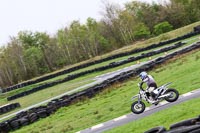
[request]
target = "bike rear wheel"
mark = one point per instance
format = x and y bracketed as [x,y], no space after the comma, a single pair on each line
[173,95]
[138,107]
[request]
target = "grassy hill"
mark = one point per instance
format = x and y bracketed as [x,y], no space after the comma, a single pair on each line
[61,88]
[115,100]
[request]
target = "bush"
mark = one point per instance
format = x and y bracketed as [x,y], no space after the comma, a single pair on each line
[162,28]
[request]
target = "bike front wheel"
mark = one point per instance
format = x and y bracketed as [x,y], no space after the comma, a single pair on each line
[138,107]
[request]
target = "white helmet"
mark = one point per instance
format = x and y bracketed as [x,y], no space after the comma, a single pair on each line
[143,75]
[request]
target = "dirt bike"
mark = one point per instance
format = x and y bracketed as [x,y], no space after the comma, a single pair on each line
[162,93]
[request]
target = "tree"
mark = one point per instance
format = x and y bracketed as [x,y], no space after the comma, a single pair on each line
[38,40]
[145,13]
[97,42]
[93,36]
[63,43]
[110,20]
[6,75]
[34,62]
[191,8]
[78,33]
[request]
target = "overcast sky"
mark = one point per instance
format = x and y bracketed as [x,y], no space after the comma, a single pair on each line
[46,15]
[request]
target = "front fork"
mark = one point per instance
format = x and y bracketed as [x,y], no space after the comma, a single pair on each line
[138,97]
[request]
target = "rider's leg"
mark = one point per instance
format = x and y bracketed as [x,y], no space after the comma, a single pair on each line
[152,87]
[153,95]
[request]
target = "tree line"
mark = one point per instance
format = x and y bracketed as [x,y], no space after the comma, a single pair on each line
[31,54]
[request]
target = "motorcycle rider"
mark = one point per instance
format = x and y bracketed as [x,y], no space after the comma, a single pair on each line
[151,84]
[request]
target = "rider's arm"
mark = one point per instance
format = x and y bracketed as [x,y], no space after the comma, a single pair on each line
[141,83]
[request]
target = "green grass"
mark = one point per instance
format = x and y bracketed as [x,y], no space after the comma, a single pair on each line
[164,118]
[115,101]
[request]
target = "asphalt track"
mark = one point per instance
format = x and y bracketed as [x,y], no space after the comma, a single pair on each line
[132,117]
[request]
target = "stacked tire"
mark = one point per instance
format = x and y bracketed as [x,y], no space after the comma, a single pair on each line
[9,107]
[186,126]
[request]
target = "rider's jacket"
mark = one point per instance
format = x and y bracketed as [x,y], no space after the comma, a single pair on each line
[149,80]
